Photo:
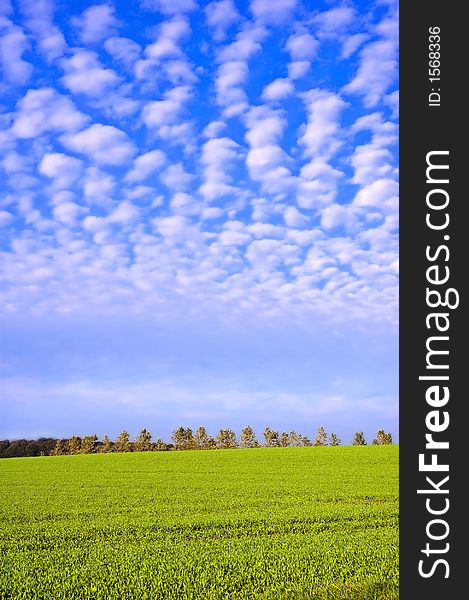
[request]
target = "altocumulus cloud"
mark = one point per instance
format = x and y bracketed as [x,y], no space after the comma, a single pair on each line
[229,166]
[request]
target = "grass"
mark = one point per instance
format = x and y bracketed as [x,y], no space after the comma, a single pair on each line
[279,523]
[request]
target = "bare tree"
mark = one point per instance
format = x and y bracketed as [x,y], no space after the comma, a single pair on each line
[271,438]
[122,443]
[295,439]
[202,440]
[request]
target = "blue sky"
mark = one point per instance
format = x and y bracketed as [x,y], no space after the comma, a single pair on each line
[198,216]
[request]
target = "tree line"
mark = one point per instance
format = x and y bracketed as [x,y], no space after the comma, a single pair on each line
[183,438]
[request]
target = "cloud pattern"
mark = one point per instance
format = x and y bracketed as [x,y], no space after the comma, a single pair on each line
[241,158]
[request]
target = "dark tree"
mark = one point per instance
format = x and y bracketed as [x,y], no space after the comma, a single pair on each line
[106,446]
[122,443]
[226,438]
[74,445]
[143,441]
[160,446]
[359,439]
[89,444]
[60,448]
[183,438]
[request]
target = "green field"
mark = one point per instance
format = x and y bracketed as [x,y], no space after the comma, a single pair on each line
[312,522]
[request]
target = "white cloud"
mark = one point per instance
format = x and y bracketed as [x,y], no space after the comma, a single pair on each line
[86,75]
[68,213]
[218,156]
[384,133]
[170,7]
[13,44]
[214,129]
[63,169]
[176,228]
[377,72]
[294,218]
[171,33]
[246,44]
[96,23]
[298,69]
[233,238]
[279,89]
[146,164]
[39,19]
[45,110]
[94,224]
[352,43]
[322,131]
[378,68]
[220,16]
[104,144]
[382,193]
[275,13]
[333,22]
[371,162]
[231,75]
[124,214]
[180,134]
[116,103]
[266,159]
[267,254]
[184,204]
[179,72]
[211,212]
[176,178]
[124,50]
[167,111]
[5,218]
[14,163]
[264,126]
[62,196]
[233,71]
[336,215]
[392,100]
[98,187]
[302,46]
[318,183]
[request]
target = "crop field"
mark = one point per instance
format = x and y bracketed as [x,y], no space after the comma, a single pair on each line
[283,523]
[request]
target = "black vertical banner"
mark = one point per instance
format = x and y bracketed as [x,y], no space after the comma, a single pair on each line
[432,301]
